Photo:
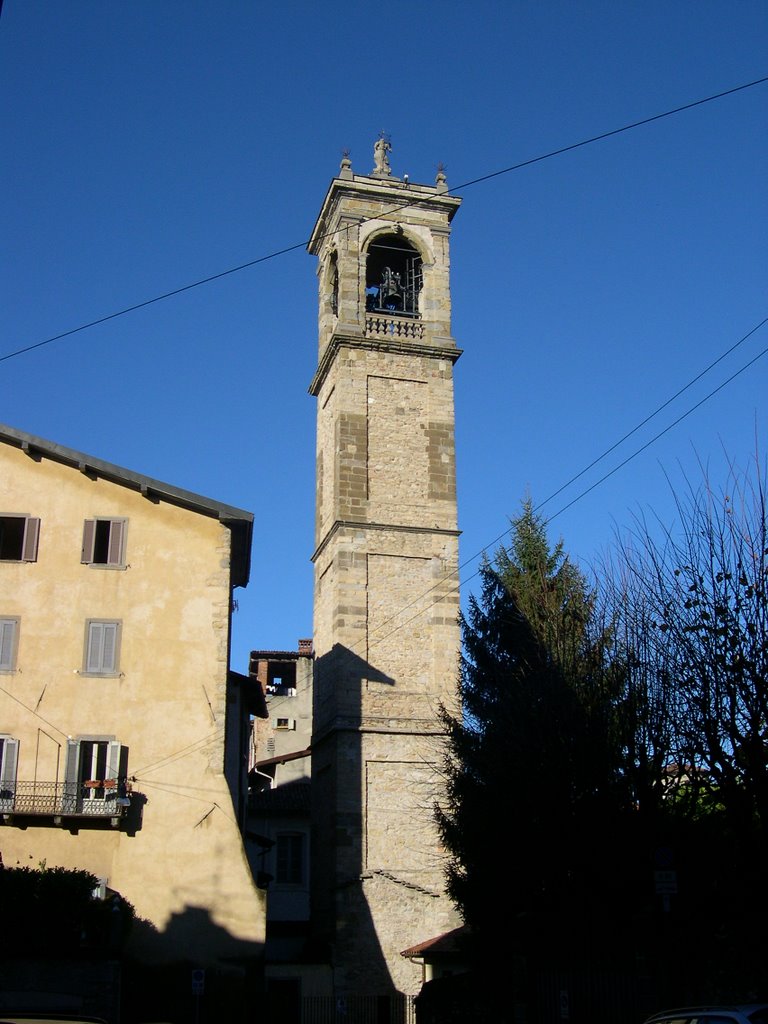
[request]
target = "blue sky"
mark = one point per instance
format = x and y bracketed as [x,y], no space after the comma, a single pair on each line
[147,145]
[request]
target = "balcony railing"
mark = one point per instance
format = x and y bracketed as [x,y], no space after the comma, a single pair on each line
[377,326]
[97,798]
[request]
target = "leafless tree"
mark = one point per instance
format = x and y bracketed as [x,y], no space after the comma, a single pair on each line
[689,609]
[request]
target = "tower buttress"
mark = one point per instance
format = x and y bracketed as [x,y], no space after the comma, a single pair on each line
[386,557]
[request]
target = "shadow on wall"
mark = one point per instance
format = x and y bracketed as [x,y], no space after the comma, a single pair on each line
[342,923]
[169,982]
[160,985]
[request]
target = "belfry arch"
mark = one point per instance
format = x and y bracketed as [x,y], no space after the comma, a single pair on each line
[393,275]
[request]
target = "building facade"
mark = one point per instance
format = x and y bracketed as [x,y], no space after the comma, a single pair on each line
[279,806]
[123,733]
[386,558]
[285,678]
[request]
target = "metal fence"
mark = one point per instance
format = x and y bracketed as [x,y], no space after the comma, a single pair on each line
[387,1009]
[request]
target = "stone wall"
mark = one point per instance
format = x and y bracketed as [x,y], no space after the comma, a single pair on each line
[386,604]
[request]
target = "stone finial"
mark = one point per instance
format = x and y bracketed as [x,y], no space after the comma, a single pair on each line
[441,181]
[345,171]
[381,149]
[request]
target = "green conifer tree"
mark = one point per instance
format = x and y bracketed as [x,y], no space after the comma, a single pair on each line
[534,780]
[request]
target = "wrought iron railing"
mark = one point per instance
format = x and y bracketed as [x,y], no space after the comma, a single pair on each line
[109,798]
[389,1009]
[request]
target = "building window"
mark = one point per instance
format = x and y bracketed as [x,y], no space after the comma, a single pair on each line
[285,723]
[333,280]
[104,542]
[9,638]
[94,776]
[9,758]
[289,868]
[18,538]
[102,648]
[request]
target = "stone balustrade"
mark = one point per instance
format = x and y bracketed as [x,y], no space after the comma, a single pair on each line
[377,326]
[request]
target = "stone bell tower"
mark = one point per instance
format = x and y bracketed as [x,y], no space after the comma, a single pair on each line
[386,554]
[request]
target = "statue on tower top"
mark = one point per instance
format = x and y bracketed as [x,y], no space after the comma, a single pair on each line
[381,150]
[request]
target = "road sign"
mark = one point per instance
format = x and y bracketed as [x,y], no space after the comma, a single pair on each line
[666,881]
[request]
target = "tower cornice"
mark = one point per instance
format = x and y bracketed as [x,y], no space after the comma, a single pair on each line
[362,524]
[398,195]
[380,344]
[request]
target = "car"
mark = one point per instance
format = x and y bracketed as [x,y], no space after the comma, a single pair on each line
[44,1018]
[743,1013]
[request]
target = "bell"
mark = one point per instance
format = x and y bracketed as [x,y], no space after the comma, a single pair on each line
[390,286]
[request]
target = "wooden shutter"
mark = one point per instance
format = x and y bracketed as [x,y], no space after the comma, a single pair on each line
[113,760]
[101,653]
[89,537]
[31,534]
[290,858]
[115,550]
[71,781]
[93,656]
[10,751]
[7,643]
[109,648]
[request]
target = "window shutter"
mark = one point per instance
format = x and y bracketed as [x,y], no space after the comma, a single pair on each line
[7,637]
[89,536]
[71,784]
[101,647]
[94,654]
[31,534]
[113,760]
[109,647]
[10,762]
[73,758]
[290,858]
[116,533]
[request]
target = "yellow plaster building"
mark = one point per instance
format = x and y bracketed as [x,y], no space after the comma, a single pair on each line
[123,732]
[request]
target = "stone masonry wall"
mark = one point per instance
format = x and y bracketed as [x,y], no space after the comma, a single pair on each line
[386,603]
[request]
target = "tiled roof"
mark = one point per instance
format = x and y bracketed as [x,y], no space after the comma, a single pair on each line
[238,520]
[448,942]
[295,755]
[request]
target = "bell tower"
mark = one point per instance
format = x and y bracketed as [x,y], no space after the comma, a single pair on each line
[386,555]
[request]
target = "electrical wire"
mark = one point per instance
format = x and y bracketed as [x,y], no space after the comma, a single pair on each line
[186,796]
[642,448]
[190,748]
[661,433]
[35,713]
[396,209]
[198,745]
[591,465]
[663,406]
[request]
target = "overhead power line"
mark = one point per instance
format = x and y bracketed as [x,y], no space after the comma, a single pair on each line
[205,741]
[198,745]
[496,540]
[455,589]
[300,245]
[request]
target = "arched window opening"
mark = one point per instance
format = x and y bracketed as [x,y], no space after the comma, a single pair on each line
[333,281]
[393,276]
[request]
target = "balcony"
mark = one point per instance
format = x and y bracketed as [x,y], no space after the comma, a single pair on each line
[94,800]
